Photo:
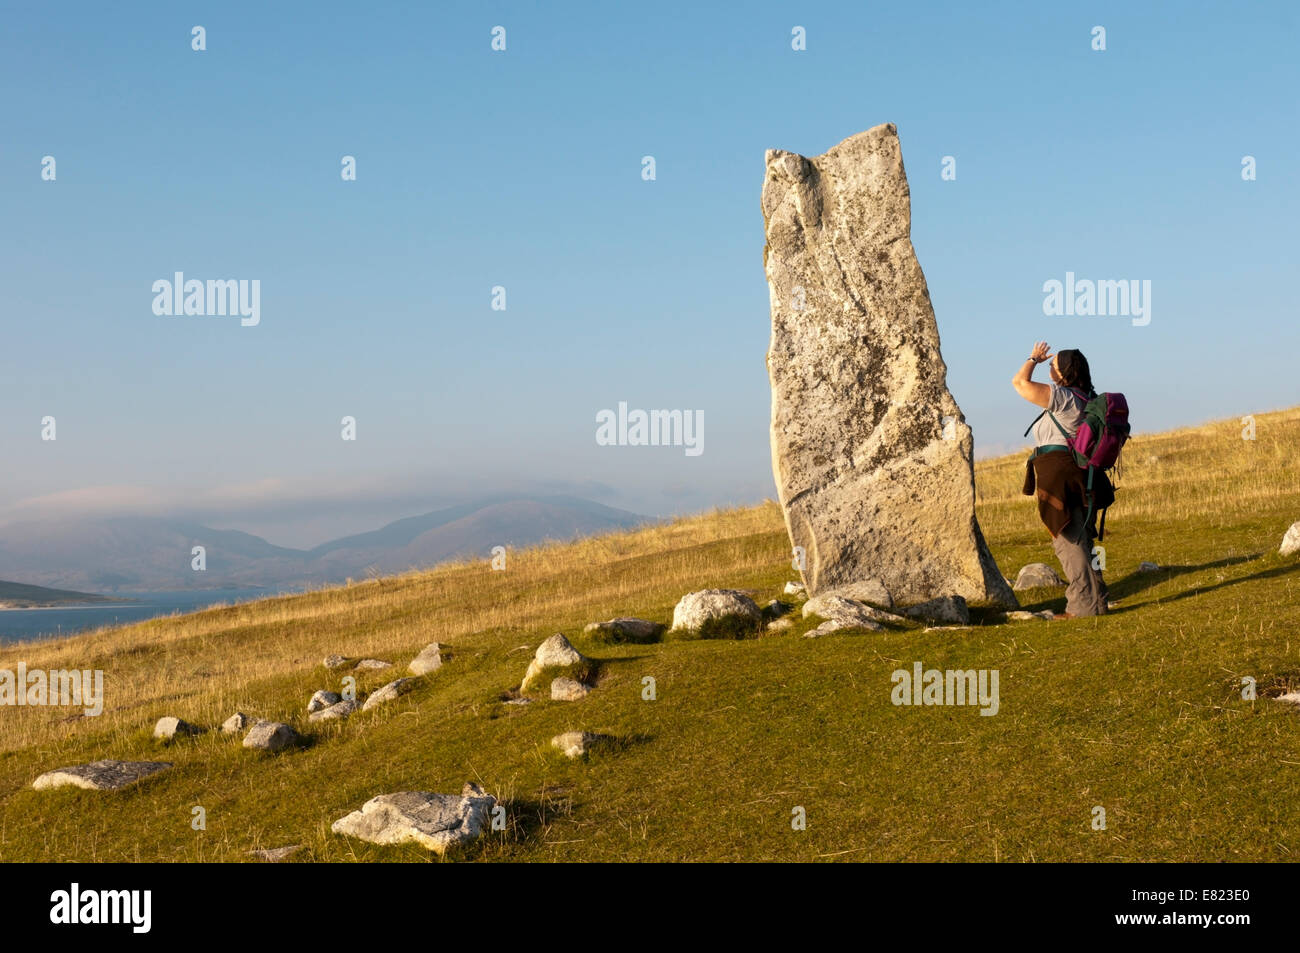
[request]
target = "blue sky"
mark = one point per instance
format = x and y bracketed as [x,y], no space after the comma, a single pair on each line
[522,169]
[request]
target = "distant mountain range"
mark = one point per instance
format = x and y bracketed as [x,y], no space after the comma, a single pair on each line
[144,553]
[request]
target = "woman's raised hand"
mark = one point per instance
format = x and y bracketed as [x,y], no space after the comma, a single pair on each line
[1040,353]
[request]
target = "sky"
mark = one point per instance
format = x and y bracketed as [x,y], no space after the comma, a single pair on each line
[522,169]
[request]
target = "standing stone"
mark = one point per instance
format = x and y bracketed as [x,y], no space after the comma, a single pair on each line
[872,458]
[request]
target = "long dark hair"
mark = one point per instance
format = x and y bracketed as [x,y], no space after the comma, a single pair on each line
[1073,368]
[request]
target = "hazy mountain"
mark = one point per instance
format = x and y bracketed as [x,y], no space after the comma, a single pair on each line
[143,553]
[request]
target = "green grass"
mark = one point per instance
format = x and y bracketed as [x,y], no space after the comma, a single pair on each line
[1139,712]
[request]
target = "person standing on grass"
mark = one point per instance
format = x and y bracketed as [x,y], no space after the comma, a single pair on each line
[1057,479]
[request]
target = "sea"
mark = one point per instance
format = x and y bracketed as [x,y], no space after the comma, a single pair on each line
[26,625]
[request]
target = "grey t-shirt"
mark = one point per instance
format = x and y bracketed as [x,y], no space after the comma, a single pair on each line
[1067,407]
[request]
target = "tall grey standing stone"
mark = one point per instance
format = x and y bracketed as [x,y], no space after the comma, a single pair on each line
[872,458]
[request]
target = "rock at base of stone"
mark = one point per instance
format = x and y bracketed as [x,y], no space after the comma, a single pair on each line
[626,629]
[780,625]
[871,454]
[334,712]
[429,660]
[100,775]
[1291,541]
[576,744]
[697,611]
[1021,615]
[568,690]
[387,693]
[436,822]
[847,611]
[1037,576]
[270,736]
[169,727]
[322,700]
[870,591]
[795,589]
[837,625]
[951,609]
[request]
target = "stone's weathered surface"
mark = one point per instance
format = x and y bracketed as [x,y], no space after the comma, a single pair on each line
[100,775]
[333,712]
[322,700]
[274,855]
[371,665]
[626,629]
[780,625]
[429,660]
[568,690]
[1148,567]
[1291,541]
[871,454]
[871,591]
[839,608]
[943,609]
[169,727]
[795,589]
[575,744]
[336,661]
[697,608]
[1020,615]
[270,736]
[392,690]
[434,821]
[1037,575]
[236,723]
[555,652]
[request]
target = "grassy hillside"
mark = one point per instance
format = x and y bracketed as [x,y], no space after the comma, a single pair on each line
[1139,712]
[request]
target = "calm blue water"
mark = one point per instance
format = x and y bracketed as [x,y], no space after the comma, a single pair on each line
[21,625]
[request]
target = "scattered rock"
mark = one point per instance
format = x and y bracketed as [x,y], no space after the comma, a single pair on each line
[275,855]
[434,821]
[848,611]
[626,629]
[775,609]
[795,589]
[322,700]
[338,710]
[872,456]
[575,744]
[1148,567]
[555,652]
[371,665]
[780,625]
[944,609]
[100,775]
[1020,615]
[1037,575]
[1291,541]
[336,661]
[236,723]
[393,689]
[429,660]
[519,701]
[270,736]
[697,610]
[568,690]
[871,591]
[835,625]
[169,727]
